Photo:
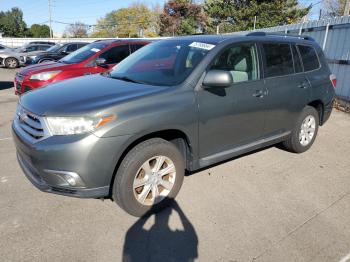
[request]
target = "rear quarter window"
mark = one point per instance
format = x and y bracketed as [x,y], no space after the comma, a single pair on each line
[309,57]
[278,59]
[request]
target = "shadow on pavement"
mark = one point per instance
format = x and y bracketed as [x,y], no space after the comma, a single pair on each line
[5,85]
[160,243]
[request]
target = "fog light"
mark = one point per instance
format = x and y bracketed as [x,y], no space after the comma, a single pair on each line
[71,178]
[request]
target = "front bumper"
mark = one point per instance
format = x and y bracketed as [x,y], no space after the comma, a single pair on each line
[93,158]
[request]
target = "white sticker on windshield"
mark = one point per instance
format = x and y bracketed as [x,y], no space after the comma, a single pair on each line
[202,45]
[95,50]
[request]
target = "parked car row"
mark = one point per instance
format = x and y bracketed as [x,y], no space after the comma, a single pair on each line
[97,57]
[36,52]
[174,105]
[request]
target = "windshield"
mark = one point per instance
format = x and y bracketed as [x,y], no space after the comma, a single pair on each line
[83,53]
[54,48]
[163,63]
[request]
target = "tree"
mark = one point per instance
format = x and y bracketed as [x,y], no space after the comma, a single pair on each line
[136,20]
[238,15]
[39,30]
[182,17]
[12,24]
[332,8]
[76,30]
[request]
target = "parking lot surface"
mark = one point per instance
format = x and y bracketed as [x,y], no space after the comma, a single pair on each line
[268,206]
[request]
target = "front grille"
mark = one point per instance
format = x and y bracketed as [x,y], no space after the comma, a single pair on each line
[29,125]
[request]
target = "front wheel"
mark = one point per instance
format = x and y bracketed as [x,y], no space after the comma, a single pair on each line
[11,62]
[304,133]
[149,177]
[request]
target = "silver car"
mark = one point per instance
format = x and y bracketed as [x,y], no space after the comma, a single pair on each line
[13,58]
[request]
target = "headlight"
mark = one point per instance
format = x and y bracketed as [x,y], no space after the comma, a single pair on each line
[32,57]
[59,126]
[45,75]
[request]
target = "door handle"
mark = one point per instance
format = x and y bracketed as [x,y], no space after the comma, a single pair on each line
[258,94]
[303,85]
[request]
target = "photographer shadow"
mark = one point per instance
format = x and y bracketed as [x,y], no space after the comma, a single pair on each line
[160,243]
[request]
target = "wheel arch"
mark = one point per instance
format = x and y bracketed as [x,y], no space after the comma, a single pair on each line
[319,106]
[175,136]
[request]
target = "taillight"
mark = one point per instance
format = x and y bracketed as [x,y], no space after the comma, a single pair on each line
[333,79]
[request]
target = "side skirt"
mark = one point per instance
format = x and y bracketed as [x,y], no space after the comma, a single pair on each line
[225,155]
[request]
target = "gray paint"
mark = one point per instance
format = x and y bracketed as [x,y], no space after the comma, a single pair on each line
[218,123]
[337,46]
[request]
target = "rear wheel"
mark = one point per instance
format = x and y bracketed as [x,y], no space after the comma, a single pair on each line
[304,132]
[11,62]
[149,177]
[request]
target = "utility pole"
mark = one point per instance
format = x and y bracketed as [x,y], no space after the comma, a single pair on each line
[50,19]
[347,8]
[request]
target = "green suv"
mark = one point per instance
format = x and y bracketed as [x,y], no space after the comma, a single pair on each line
[176,105]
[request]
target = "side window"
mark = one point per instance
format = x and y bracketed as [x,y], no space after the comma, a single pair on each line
[116,54]
[297,62]
[1,47]
[279,61]
[80,45]
[44,47]
[309,57]
[241,61]
[31,48]
[71,48]
[135,47]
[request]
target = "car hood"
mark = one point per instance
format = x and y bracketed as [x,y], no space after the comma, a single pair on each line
[37,68]
[83,95]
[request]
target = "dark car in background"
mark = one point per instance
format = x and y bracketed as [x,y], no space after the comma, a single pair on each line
[177,104]
[97,57]
[54,53]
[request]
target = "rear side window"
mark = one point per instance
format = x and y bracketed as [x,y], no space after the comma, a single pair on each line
[116,54]
[297,62]
[309,57]
[278,59]
[135,47]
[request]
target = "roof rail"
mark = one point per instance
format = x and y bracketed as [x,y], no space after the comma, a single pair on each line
[305,37]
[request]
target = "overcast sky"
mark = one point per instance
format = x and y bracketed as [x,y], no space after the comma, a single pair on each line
[86,11]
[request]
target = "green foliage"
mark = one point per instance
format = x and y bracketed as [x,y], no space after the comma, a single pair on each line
[12,24]
[238,15]
[182,17]
[128,22]
[39,30]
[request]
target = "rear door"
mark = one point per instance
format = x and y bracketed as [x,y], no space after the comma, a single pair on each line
[288,88]
[233,116]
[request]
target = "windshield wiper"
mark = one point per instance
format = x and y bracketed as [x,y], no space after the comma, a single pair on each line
[125,78]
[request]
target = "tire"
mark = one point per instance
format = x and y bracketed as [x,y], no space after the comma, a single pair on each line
[11,62]
[44,61]
[303,136]
[135,200]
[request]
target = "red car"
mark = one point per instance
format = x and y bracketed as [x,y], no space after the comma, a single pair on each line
[97,57]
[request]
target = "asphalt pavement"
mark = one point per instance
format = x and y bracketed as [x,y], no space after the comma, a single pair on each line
[268,206]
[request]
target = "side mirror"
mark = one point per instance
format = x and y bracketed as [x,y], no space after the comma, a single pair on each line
[101,62]
[218,78]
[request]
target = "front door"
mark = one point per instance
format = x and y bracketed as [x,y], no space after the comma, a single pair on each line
[233,116]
